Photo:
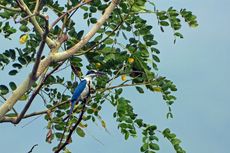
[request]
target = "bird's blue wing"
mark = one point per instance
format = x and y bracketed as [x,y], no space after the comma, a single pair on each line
[77,92]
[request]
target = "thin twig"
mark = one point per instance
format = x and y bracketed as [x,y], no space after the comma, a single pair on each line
[10,8]
[110,34]
[128,85]
[45,111]
[68,12]
[72,129]
[25,18]
[43,98]
[32,148]
[31,121]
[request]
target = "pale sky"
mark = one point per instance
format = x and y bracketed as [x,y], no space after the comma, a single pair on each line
[198,65]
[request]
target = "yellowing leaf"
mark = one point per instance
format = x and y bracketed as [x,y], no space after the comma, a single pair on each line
[103,124]
[23,38]
[98,65]
[123,77]
[130,60]
[82,125]
[157,89]
[23,97]
[80,132]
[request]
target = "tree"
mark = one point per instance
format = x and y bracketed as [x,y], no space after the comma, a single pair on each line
[115,39]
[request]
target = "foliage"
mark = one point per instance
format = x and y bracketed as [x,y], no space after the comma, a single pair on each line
[124,46]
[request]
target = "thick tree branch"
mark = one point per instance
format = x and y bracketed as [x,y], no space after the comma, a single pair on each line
[33,20]
[17,119]
[14,110]
[35,94]
[36,6]
[66,54]
[55,57]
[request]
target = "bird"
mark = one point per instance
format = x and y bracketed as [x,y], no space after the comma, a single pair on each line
[83,90]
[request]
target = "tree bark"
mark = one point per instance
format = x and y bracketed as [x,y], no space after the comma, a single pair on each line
[55,57]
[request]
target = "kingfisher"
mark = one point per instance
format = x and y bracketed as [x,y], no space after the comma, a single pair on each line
[83,90]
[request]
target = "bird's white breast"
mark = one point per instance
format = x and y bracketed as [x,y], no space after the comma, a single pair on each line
[86,91]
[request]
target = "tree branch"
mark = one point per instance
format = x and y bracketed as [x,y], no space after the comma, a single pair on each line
[66,54]
[14,110]
[36,91]
[41,48]
[10,8]
[9,119]
[38,2]
[128,85]
[25,18]
[32,148]
[51,109]
[72,129]
[24,7]
[68,12]
[55,57]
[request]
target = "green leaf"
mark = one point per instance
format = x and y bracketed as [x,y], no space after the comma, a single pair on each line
[58,135]
[12,54]
[23,97]
[154,146]
[93,20]
[155,58]
[144,147]
[67,150]
[12,85]
[17,65]
[93,9]
[5,15]
[164,23]
[178,35]
[166,132]
[139,89]
[80,132]
[13,72]
[59,127]
[176,141]
[102,7]
[80,34]
[108,41]
[152,137]
[3,89]
[24,28]
[126,136]
[22,60]
[118,91]
[139,122]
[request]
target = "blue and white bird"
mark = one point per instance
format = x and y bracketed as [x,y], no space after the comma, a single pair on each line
[82,91]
